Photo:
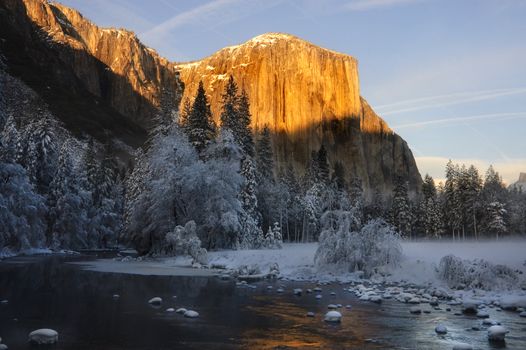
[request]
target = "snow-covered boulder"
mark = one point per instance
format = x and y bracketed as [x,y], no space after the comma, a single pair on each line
[170,309]
[512,302]
[155,301]
[318,296]
[522,314]
[415,310]
[441,329]
[43,336]
[181,310]
[191,314]
[310,314]
[298,291]
[470,306]
[3,347]
[116,296]
[333,316]
[482,314]
[332,307]
[497,333]
[490,322]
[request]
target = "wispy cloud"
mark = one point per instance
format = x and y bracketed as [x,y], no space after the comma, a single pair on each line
[366,5]
[461,120]
[209,15]
[441,101]
[196,14]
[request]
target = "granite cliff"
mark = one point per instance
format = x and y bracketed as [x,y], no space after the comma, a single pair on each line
[308,96]
[101,81]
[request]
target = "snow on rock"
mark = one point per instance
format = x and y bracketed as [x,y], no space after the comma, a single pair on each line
[155,301]
[441,329]
[470,306]
[170,309]
[298,291]
[333,316]
[497,333]
[512,302]
[490,322]
[415,310]
[310,314]
[43,336]
[191,314]
[181,310]
[482,314]
[522,314]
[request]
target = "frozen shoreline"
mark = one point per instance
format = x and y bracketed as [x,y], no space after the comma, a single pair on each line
[296,262]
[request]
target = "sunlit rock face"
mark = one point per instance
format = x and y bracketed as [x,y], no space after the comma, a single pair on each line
[98,80]
[110,64]
[308,96]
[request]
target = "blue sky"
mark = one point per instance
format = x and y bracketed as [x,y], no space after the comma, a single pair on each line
[448,75]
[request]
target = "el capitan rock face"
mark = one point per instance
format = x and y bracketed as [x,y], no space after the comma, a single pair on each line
[99,80]
[308,96]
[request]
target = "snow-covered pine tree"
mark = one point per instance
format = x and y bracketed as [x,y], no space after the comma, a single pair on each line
[201,128]
[10,142]
[401,209]
[41,152]
[323,165]
[230,101]
[338,175]
[243,132]
[68,206]
[265,156]
[276,232]
[23,211]
[357,199]
[251,232]
[496,223]
[430,220]
[451,199]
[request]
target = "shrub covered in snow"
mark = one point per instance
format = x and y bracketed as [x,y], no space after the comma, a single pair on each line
[478,273]
[184,241]
[375,245]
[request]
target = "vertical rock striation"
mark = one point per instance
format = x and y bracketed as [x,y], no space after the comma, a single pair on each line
[308,96]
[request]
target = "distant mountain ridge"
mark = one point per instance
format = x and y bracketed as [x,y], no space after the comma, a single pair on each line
[101,81]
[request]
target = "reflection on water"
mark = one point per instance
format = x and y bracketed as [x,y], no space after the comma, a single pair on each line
[46,292]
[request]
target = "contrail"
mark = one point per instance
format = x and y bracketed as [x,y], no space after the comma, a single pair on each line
[438,97]
[500,116]
[473,98]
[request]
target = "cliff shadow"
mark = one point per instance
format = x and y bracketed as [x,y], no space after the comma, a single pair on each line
[46,67]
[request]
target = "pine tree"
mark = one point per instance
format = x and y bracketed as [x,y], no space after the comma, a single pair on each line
[41,153]
[451,198]
[201,128]
[401,209]
[323,165]
[230,102]
[68,206]
[10,142]
[248,192]
[338,175]
[265,156]
[496,219]
[430,218]
[357,199]
[243,131]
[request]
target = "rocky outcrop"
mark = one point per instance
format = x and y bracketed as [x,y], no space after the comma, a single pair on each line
[107,70]
[309,96]
[104,80]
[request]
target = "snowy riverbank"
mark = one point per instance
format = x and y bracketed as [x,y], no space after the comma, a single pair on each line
[296,262]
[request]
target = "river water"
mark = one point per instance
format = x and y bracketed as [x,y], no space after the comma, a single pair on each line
[48,292]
